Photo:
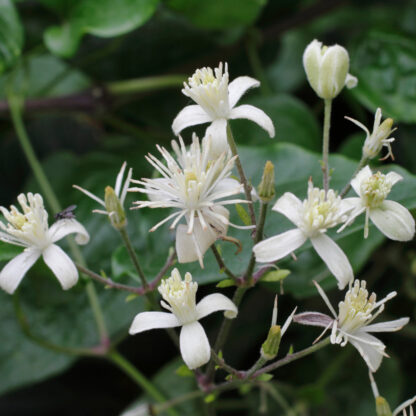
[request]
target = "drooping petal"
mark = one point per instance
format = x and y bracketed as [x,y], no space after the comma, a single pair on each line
[216,302]
[62,228]
[394,221]
[61,265]
[388,326]
[289,205]
[218,133]
[362,175]
[279,246]
[153,320]
[370,348]
[194,345]
[335,259]
[190,116]
[15,269]
[238,87]
[254,114]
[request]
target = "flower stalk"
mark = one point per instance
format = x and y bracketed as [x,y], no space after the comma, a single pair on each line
[325,144]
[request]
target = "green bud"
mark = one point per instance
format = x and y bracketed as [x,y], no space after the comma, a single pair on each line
[382,407]
[114,208]
[270,347]
[266,188]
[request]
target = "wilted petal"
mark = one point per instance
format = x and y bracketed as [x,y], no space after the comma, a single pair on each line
[289,205]
[216,302]
[238,87]
[15,269]
[388,326]
[61,265]
[218,133]
[313,319]
[153,320]
[254,114]
[279,246]
[335,259]
[370,348]
[194,345]
[362,175]
[189,116]
[394,221]
[62,228]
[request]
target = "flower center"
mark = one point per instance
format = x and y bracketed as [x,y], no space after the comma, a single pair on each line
[375,189]
[180,294]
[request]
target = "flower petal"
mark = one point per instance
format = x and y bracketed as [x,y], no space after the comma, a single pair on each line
[15,269]
[254,114]
[62,228]
[189,116]
[238,87]
[194,345]
[218,133]
[335,259]
[362,175]
[289,205]
[388,326]
[313,319]
[372,353]
[394,221]
[61,265]
[216,302]
[394,177]
[279,246]
[153,320]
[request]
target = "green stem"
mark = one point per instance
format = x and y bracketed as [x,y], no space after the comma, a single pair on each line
[133,86]
[139,378]
[220,362]
[257,365]
[325,143]
[222,265]
[347,187]
[177,400]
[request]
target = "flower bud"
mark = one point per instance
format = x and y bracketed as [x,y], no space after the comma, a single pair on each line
[266,190]
[270,347]
[114,208]
[327,69]
[382,407]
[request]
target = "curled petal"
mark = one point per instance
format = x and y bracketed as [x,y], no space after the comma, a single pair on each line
[370,348]
[361,176]
[190,116]
[61,265]
[238,87]
[388,326]
[254,114]
[289,205]
[62,228]
[194,345]
[216,302]
[15,269]
[153,320]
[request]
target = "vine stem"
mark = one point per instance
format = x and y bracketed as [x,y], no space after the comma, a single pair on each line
[222,265]
[325,143]
[137,85]
[347,187]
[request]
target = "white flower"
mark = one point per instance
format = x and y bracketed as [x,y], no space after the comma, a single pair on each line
[391,218]
[114,199]
[30,229]
[179,299]
[195,187]
[327,69]
[378,138]
[312,218]
[215,103]
[353,323]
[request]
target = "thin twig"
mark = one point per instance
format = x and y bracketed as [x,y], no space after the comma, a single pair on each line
[222,265]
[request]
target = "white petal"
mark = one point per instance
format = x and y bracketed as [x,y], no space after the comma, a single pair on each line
[189,116]
[334,258]
[279,246]
[119,179]
[254,114]
[218,133]
[388,326]
[289,205]
[362,175]
[62,228]
[194,345]
[394,177]
[351,81]
[15,269]
[61,265]
[314,319]
[394,221]
[153,320]
[216,302]
[238,87]
[228,185]
[372,354]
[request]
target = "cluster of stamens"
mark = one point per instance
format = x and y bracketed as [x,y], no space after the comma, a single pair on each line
[375,189]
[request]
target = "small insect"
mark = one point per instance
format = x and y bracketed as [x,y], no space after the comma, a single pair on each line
[66,214]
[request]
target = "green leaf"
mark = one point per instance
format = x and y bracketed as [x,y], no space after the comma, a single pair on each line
[265,377]
[210,398]
[184,371]
[226,283]
[275,276]
[99,18]
[219,14]
[11,35]
[8,251]
[243,214]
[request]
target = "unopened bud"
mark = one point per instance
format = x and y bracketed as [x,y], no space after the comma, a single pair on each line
[114,208]
[266,190]
[327,69]
[382,407]
[270,347]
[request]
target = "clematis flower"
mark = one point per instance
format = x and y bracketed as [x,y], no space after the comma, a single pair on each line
[195,187]
[113,199]
[179,299]
[353,323]
[30,229]
[312,218]
[216,103]
[390,217]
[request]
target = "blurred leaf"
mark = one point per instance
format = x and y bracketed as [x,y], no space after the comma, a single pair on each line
[353,145]
[100,18]
[226,283]
[184,371]
[11,35]
[275,276]
[8,251]
[219,14]
[265,377]
[243,214]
